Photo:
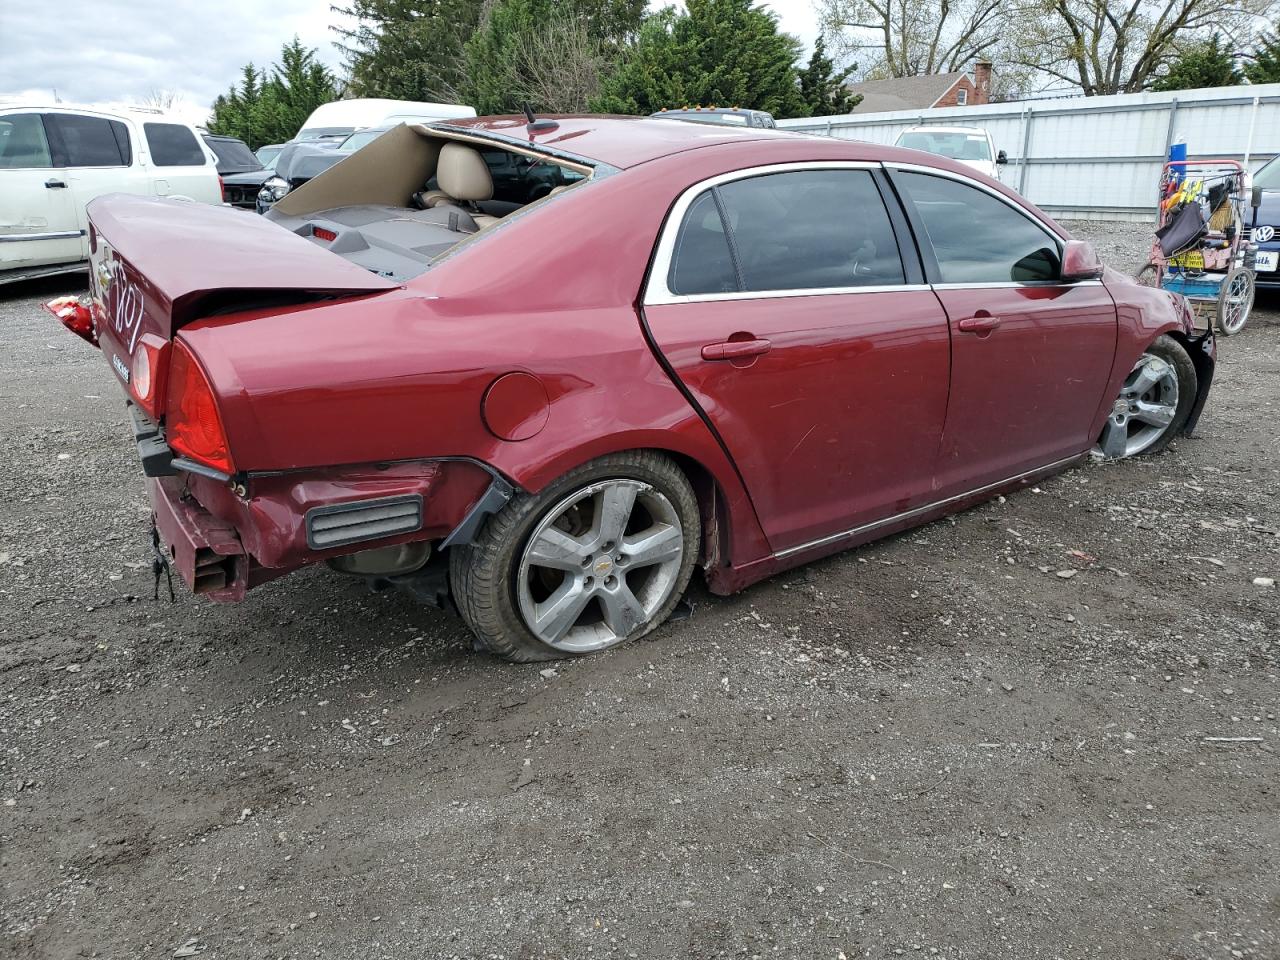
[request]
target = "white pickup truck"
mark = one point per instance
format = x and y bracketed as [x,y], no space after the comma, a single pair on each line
[972,146]
[55,159]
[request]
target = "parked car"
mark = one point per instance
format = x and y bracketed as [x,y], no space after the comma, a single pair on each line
[972,146]
[267,153]
[731,116]
[742,352]
[1265,230]
[55,159]
[234,156]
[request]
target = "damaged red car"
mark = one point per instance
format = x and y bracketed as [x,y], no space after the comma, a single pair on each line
[541,371]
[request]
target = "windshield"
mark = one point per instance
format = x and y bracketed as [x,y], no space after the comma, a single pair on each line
[358,140]
[1268,178]
[314,133]
[267,154]
[233,155]
[957,146]
[706,117]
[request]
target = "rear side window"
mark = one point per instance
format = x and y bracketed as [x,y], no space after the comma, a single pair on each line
[978,238]
[701,262]
[811,229]
[173,145]
[89,141]
[23,143]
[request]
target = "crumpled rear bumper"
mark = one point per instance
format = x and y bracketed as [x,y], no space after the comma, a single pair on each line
[203,550]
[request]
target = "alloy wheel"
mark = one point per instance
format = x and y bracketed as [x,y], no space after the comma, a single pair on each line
[600,565]
[1144,410]
[1236,301]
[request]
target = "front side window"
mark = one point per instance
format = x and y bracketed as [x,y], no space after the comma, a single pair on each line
[90,141]
[978,238]
[173,145]
[22,142]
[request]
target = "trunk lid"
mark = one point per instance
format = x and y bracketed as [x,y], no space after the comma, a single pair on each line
[157,264]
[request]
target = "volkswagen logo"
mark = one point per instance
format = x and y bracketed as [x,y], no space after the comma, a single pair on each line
[1263,234]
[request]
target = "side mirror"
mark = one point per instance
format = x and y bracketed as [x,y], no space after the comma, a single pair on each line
[1080,262]
[1257,197]
[1002,157]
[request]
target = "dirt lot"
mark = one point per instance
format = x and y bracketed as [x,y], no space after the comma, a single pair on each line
[940,745]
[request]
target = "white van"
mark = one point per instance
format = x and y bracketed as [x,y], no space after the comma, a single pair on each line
[342,117]
[55,159]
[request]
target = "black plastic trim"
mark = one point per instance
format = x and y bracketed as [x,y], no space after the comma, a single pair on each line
[495,498]
[1202,357]
[357,505]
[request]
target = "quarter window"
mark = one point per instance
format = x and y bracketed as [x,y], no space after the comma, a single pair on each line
[90,141]
[23,143]
[801,230]
[173,145]
[978,238]
[701,261]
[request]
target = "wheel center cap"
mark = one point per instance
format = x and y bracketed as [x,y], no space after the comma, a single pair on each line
[603,566]
[1121,407]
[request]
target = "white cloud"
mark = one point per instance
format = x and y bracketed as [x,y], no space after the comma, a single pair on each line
[94,52]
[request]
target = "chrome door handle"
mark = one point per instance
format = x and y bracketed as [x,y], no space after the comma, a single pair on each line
[735,349]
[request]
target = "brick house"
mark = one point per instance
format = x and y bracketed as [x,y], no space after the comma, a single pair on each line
[956,89]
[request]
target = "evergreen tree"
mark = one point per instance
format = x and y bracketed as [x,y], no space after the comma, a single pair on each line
[1208,64]
[1265,65]
[822,88]
[408,49]
[716,52]
[523,50]
[270,109]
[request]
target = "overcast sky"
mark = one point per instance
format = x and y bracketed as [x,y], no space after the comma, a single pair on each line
[91,51]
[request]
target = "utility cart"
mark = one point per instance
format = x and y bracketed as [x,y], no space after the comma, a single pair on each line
[1202,248]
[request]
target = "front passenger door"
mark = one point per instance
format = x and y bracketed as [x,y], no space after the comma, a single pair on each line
[1030,354]
[789,303]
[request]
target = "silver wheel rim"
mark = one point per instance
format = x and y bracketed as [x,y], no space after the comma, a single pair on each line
[600,565]
[1236,302]
[1144,410]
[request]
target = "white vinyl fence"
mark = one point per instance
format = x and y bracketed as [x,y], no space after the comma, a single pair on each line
[1094,157]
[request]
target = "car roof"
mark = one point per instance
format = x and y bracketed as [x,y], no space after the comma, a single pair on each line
[618,141]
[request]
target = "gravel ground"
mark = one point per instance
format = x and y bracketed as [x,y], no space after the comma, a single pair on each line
[938,745]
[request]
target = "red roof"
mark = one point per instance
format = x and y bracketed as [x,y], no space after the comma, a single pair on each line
[618,141]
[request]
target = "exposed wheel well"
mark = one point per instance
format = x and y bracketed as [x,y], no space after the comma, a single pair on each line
[715,532]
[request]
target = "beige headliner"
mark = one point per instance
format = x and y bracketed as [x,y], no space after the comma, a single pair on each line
[388,171]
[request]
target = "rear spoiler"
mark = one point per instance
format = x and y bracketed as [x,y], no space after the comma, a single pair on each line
[188,254]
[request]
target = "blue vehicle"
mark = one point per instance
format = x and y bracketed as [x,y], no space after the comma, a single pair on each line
[1264,229]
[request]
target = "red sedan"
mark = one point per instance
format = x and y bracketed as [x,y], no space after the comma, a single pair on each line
[543,370]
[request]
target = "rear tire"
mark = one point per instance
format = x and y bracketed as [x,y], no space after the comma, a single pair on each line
[1147,275]
[1235,301]
[599,557]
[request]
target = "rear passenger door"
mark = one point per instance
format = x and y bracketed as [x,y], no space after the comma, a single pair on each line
[790,303]
[38,222]
[97,156]
[1030,354]
[179,164]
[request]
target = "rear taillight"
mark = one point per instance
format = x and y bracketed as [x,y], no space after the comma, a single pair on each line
[193,426]
[222,189]
[75,316]
[147,376]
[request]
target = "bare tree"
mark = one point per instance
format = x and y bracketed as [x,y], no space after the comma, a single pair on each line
[907,38]
[1117,46]
[161,99]
[561,65]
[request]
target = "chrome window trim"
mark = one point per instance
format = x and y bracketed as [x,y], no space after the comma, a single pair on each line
[59,235]
[1049,228]
[1010,284]
[656,290]
[920,511]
